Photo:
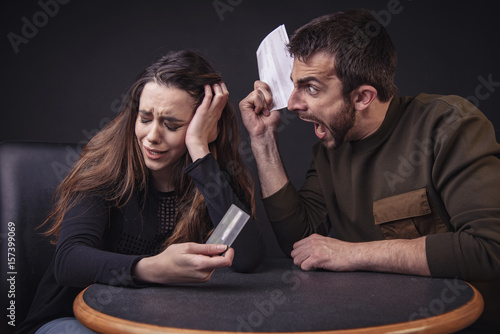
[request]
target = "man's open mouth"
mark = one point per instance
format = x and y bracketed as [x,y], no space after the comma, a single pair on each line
[319,129]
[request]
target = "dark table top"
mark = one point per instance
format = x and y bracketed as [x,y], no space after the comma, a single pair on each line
[281,297]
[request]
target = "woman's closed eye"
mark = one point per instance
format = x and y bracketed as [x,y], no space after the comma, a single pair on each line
[171,127]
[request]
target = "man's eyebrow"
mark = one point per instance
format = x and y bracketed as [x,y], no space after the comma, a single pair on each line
[306,79]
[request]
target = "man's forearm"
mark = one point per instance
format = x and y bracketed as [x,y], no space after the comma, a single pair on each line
[396,256]
[272,175]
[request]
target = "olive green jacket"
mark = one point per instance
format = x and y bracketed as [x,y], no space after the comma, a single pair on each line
[432,168]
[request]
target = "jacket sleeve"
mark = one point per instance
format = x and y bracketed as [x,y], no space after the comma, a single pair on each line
[215,186]
[294,214]
[80,259]
[466,174]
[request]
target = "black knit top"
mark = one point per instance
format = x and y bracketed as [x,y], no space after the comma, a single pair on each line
[101,243]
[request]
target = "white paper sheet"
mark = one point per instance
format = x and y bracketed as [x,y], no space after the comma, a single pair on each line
[275,66]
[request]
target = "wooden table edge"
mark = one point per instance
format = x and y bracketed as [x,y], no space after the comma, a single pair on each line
[448,322]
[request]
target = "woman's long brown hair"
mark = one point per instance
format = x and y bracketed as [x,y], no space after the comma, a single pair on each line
[111,164]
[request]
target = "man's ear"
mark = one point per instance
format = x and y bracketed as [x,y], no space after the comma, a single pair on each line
[363,96]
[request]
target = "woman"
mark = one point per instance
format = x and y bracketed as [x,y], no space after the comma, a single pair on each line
[147,191]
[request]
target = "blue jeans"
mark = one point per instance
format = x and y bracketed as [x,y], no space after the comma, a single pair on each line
[63,326]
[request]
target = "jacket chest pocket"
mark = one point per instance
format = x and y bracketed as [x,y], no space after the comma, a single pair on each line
[407,216]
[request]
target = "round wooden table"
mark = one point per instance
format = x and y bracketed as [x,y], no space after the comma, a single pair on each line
[282,298]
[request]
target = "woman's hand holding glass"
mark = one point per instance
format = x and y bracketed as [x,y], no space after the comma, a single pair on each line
[202,129]
[183,263]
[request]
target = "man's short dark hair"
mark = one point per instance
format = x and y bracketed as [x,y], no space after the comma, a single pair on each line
[363,50]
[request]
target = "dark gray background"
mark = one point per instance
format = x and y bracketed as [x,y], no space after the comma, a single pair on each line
[67,81]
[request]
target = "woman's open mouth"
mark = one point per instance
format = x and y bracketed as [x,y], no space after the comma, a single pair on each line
[154,154]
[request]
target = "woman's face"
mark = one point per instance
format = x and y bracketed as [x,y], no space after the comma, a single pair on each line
[162,120]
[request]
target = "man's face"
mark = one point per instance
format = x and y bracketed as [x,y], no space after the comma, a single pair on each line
[317,98]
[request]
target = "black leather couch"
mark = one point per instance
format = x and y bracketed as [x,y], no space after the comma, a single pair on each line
[29,174]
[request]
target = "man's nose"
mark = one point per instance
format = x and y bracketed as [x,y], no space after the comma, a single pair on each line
[294,102]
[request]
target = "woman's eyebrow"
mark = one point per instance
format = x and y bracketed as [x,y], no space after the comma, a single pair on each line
[145,112]
[167,118]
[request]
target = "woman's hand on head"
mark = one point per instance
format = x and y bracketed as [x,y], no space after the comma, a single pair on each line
[183,263]
[202,129]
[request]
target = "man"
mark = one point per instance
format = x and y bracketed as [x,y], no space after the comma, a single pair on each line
[397,184]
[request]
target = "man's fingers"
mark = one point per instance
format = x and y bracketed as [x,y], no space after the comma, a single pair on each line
[265,95]
[253,103]
[307,240]
[261,85]
[307,265]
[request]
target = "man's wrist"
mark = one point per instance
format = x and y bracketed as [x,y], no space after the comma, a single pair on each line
[263,140]
[266,145]
[270,168]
